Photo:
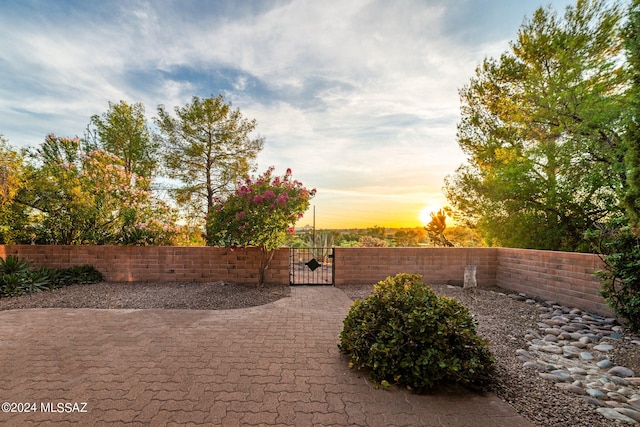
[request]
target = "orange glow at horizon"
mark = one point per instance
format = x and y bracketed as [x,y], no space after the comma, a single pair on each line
[402,211]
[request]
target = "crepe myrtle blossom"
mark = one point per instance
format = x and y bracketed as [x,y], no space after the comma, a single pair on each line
[260,213]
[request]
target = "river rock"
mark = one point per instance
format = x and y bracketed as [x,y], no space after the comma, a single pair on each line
[612,414]
[571,388]
[621,371]
[634,415]
[603,347]
[605,363]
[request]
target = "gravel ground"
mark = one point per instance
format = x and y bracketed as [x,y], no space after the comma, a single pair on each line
[194,296]
[504,321]
[501,320]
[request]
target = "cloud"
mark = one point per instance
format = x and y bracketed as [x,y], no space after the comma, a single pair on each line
[358,96]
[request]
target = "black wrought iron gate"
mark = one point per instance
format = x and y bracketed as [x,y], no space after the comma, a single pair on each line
[311,266]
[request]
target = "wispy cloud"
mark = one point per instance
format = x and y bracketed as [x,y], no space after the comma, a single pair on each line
[359,97]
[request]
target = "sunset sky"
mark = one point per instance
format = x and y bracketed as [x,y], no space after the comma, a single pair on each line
[358,97]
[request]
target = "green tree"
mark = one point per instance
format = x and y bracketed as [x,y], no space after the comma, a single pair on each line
[261,212]
[123,132]
[540,126]
[208,147]
[631,199]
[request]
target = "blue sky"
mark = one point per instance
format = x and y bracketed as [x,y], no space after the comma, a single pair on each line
[358,97]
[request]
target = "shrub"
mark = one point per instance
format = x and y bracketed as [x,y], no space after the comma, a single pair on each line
[620,279]
[17,277]
[79,274]
[406,334]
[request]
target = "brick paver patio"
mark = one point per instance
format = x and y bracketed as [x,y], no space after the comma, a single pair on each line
[277,364]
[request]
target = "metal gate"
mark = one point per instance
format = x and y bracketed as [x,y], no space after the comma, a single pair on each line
[311,266]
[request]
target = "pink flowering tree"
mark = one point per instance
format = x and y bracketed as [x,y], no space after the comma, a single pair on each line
[77,197]
[259,213]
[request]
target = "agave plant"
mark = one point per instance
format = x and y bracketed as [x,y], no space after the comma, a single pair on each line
[11,284]
[36,280]
[13,265]
[321,246]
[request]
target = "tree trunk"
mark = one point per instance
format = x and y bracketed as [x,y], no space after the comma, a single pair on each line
[265,259]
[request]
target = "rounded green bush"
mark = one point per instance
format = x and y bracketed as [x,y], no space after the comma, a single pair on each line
[406,334]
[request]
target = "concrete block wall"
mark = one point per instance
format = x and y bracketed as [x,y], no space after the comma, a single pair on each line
[436,265]
[565,277]
[561,276]
[159,263]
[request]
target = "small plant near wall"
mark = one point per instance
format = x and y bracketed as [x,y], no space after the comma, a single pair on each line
[406,334]
[18,277]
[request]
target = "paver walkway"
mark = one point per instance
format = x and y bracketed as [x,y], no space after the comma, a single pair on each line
[276,364]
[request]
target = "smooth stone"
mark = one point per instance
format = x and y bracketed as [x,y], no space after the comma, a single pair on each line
[577,370]
[534,366]
[616,335]
[609,320]
[530,301]
[594,393]
[636,342]
[550,338]
[619,380]
[612,414]
[523,359]
[532,332]
[603,347]
[635,403]
[571,388]
[611,387]
[604,364]
[553,349]
[635,415]
[550,377]
[626,392]
[613,404]
[621,371]
[616,396]
[585,340]
[553,331]
[564,376]
[571,349]
[578,344]
[592,401]
[634,381]
[522,352]
[586,356]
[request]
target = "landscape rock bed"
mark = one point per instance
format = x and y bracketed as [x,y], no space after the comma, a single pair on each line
[507,320]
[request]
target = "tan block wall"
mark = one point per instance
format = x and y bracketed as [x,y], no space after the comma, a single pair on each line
[354,266]
[159,263]
[561,276]
[565,277]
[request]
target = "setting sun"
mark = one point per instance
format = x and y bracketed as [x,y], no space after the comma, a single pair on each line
[425,213]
